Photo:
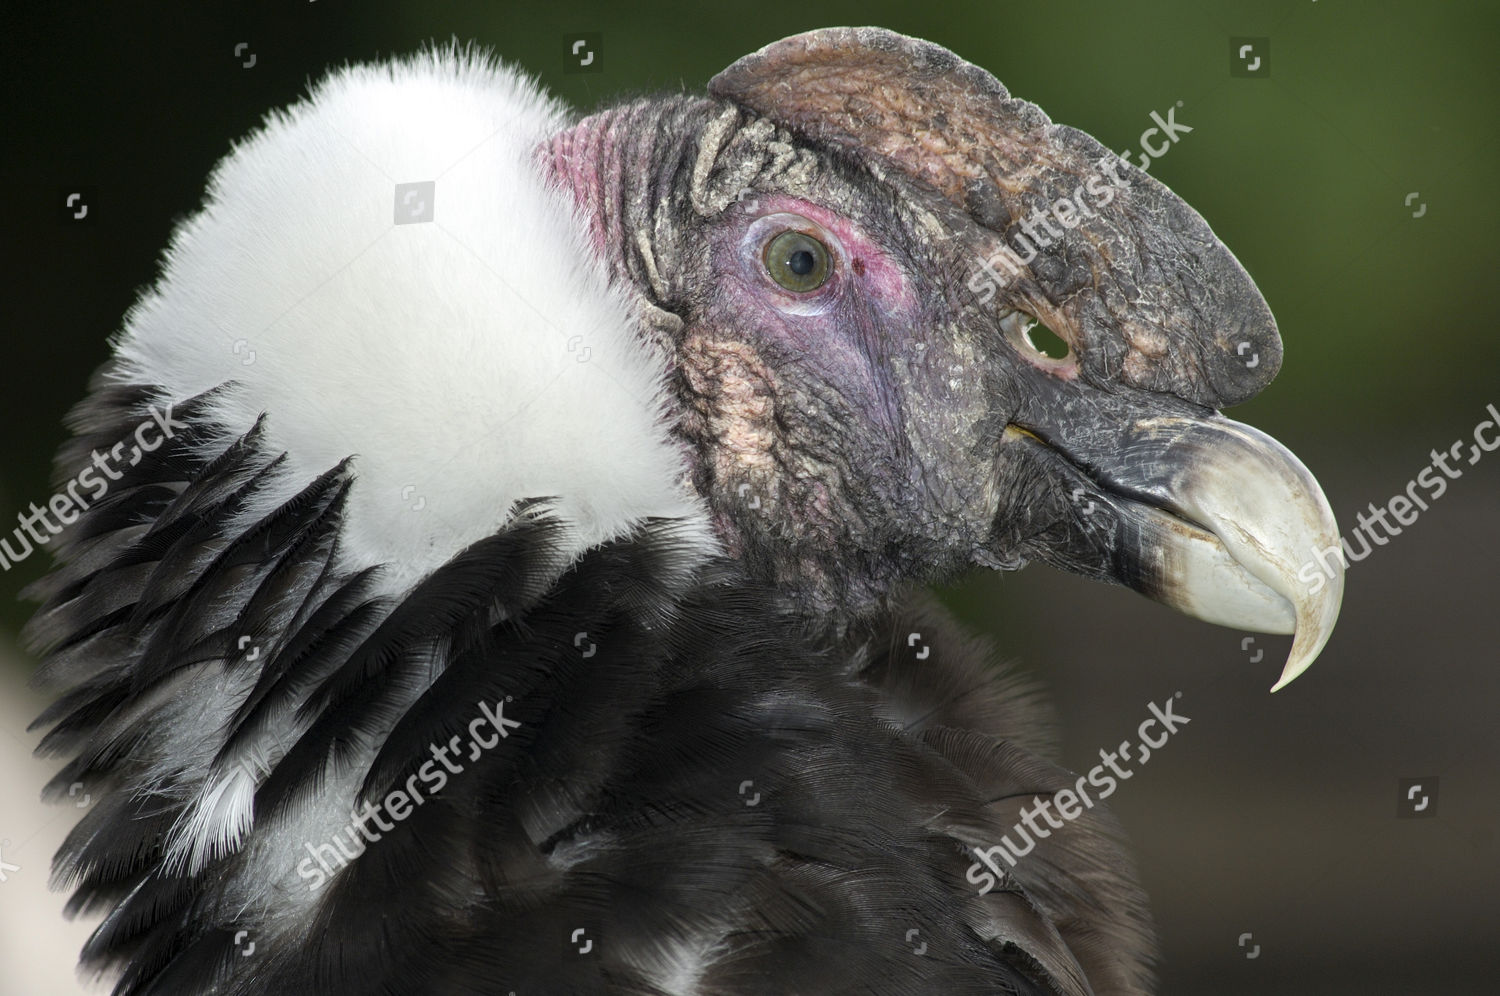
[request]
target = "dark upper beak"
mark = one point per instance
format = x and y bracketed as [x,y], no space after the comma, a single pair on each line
[1164,325]
[1198,511]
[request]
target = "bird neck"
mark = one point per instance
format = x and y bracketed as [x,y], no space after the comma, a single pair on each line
[621,166]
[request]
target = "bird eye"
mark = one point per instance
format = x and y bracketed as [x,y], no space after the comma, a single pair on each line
[798,261]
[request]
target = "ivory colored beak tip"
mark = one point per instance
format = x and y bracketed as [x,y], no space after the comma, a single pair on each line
[1300,659]
[1313,630]
[1287,676]
[1270,516]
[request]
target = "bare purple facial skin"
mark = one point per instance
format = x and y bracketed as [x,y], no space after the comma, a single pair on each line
[850,424]
[844,331]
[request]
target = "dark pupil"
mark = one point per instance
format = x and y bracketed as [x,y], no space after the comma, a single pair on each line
[800,262]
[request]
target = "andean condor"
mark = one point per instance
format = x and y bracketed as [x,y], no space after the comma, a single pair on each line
[491,546]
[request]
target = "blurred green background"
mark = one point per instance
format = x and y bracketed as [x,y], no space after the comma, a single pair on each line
[1269,816]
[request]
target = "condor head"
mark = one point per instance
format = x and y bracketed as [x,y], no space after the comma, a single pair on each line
[844,254]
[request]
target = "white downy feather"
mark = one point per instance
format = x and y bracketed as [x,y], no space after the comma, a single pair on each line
[465,361]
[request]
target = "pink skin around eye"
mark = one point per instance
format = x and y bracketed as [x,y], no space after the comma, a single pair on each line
[862,259]
[840,333]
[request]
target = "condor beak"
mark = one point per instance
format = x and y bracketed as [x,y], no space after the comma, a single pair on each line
[1204,514]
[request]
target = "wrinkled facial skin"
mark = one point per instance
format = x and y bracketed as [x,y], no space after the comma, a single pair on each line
[845,438]
[894,423]
[857,425]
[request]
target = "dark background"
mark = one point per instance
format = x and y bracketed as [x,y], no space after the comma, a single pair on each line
[1273,816]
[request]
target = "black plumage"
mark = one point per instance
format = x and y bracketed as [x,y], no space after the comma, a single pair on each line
[706,758]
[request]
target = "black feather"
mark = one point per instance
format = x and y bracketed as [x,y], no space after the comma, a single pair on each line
[695,774]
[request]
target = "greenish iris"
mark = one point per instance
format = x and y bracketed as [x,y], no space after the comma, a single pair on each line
[798,261]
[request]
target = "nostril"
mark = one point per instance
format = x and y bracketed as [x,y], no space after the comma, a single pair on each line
[1036,341]
[1045,341]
